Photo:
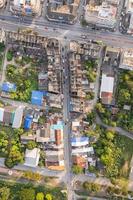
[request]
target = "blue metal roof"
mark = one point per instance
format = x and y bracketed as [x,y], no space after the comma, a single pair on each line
[79,139]
[37,98]
[9,87]
[45,93]
[27,122]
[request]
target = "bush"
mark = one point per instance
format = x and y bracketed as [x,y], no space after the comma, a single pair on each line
[40,196]
[77,169]
[31,145]
[27,194]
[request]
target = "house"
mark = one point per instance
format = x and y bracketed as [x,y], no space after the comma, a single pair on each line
[18,116]
[79,141]
[37,98]
[79,161]
[55,159]
[126,61]
[32,157]
[28,122]
[8,87]
[1,114]
[106,90]
[43,134]
[83,150]
[9,112]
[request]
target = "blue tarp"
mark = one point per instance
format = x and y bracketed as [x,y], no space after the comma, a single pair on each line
[8,87]
[27,122]
[37,98]
[79,139]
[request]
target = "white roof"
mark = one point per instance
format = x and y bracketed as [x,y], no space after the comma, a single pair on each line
[18,117]
[75,123]
[107,84]
[83,150]
[1,114]
[32,157]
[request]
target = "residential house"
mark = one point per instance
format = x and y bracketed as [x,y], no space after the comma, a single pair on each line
[32,157]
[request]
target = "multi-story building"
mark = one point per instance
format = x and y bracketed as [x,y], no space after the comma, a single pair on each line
[2,3]
[26,7]
[102,14]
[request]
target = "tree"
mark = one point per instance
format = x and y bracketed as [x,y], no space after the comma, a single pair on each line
[4,193]
[100,108]
[9,55]
[31,145]
[77,169]
[27,194]
[14,157]
[91,187]
[125,96]
[48,197]
[40,196]
[91,117]
[32,176]
[110,135]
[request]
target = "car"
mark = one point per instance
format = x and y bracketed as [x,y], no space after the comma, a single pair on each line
[84,36]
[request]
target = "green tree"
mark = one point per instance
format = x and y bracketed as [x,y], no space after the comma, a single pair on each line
[125,96]
[4,193]
[14,157]
[77,169]
[27,194]
[100,108]
[48,197]
[9,55]
[91,117]
[31,145]
[40,196]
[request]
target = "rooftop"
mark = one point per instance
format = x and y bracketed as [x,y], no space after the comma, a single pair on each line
[32,157]
[127,59]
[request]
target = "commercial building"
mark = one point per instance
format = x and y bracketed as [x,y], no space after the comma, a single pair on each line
[65,11]
[25,7]
[106,90]
[101,14]
[2,3]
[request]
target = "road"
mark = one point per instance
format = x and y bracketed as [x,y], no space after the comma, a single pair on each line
[19,103]
[71,32]
[42,171]
[59,31]
[117,129]
[66,118]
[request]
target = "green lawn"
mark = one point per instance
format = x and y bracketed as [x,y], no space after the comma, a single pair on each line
[126,146]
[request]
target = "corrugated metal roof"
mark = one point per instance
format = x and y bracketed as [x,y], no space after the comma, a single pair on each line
[27,122]
[37,98]
[8,87]
[18,117]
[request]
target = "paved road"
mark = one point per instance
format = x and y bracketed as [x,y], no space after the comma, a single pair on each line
[71,32]
[117,129]
[19,103]
[43,171]
[66,116]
